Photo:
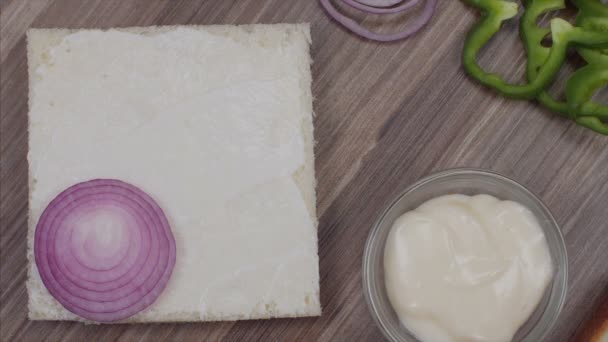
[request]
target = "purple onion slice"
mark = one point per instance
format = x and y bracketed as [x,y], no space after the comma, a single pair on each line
[385,7]
[104,249]
[356,28]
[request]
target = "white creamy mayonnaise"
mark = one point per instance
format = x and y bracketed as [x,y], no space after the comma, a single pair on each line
[466,268]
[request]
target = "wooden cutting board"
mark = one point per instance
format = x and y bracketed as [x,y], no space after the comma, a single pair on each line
[386,115]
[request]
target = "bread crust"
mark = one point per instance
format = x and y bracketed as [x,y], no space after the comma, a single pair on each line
[41,40]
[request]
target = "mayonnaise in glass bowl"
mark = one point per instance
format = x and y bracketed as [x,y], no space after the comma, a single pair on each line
[467,182]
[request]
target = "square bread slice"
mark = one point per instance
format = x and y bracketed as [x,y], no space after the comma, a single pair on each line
[215,123]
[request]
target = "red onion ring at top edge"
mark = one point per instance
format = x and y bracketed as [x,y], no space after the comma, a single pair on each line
[379,3]
[403,6]
[143,285]
[356,28]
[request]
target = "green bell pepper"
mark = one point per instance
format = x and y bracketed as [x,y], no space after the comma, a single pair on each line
[532,36]
[493,13]
[586,81]
[580,88]
[591,22]
[593,123]
[594,7]
[583,83]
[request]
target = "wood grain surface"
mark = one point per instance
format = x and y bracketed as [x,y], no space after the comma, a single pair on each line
[386,115]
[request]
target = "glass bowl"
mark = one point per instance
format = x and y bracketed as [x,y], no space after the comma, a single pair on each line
[468,182]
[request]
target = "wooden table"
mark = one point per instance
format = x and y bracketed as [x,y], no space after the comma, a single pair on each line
[386,115]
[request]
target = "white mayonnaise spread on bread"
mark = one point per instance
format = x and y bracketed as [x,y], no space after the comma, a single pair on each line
[215,124]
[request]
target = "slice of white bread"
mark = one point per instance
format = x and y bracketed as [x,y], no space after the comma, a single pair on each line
[215,123]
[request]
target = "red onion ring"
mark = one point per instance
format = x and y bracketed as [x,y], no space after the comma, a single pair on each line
[356,28]
[379,3]
[109,277]
[362,6]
